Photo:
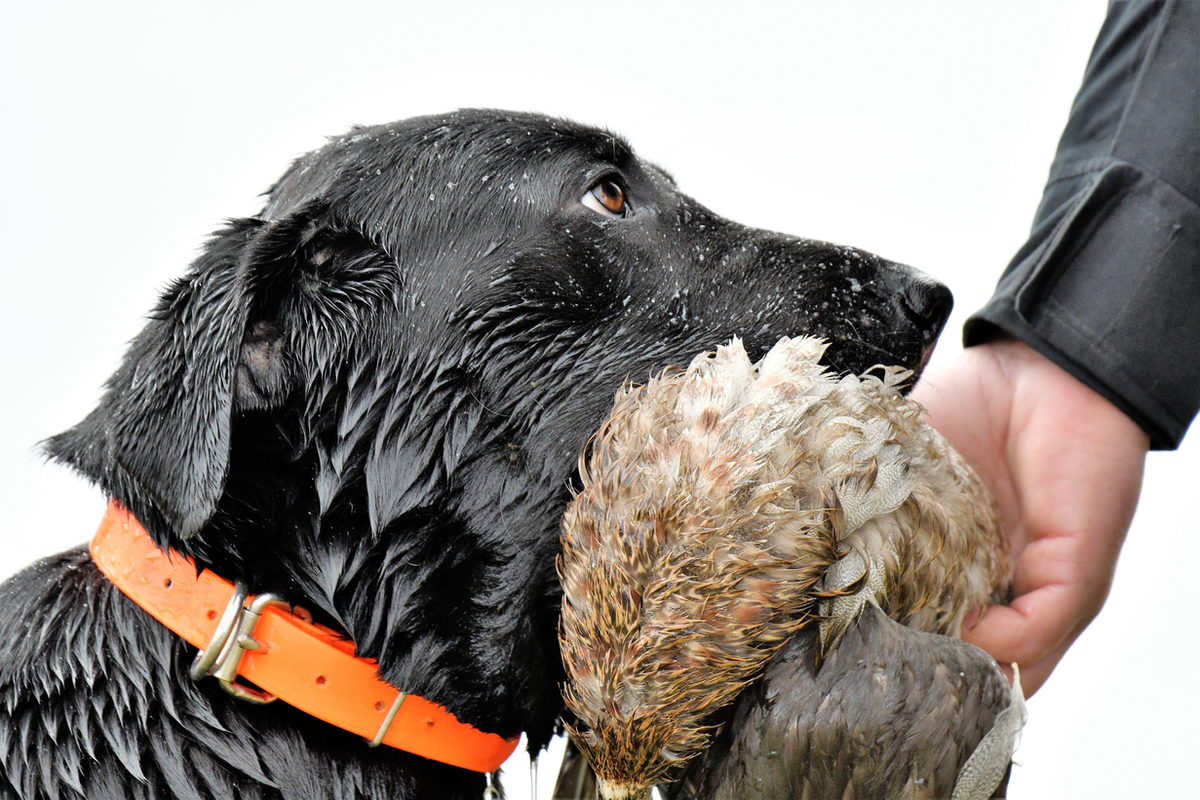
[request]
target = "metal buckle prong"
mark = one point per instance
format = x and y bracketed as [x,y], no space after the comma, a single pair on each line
[231,639]
[387,720]
[206,660]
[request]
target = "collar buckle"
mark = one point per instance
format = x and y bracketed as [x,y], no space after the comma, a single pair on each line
[231,639]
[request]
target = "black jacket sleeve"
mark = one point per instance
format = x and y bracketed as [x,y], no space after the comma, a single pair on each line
[1108,285]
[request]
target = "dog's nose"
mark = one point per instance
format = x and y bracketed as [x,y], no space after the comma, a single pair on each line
[928,303]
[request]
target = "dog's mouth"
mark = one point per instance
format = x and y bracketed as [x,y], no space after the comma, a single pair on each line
[896,324]
[858,357]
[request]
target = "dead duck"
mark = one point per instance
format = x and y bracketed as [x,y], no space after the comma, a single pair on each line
[892,712]
[727,507]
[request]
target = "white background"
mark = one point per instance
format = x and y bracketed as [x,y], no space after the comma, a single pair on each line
[920,131]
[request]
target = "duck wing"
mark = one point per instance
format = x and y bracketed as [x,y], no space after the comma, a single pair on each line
[892,712]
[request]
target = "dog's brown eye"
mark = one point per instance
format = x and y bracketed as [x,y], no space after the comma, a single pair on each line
[606,198]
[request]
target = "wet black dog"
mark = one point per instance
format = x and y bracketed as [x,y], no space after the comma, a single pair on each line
[370,399]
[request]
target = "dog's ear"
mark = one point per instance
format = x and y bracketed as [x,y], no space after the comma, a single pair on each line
[216,344]
[159,439]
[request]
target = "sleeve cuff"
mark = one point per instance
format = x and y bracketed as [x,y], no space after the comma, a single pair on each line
[1109,289]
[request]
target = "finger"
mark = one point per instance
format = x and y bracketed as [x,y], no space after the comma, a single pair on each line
[1028,629]
[1040,670]
[1079,564]
[1035,631]
[1035,674]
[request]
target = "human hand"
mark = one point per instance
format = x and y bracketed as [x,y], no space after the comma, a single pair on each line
[1065,466]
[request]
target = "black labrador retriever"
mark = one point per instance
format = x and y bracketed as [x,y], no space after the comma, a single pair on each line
[370,400]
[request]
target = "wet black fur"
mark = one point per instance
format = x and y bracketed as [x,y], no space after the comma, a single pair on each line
[370,399]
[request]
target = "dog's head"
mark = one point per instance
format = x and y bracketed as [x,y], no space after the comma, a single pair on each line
[371,397]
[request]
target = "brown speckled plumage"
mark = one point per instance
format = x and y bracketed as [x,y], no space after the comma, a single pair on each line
[725,508]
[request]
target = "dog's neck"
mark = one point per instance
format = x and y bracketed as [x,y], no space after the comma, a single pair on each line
[306,665]
[101,693]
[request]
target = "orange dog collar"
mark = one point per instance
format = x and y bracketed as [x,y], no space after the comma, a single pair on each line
[304,664]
